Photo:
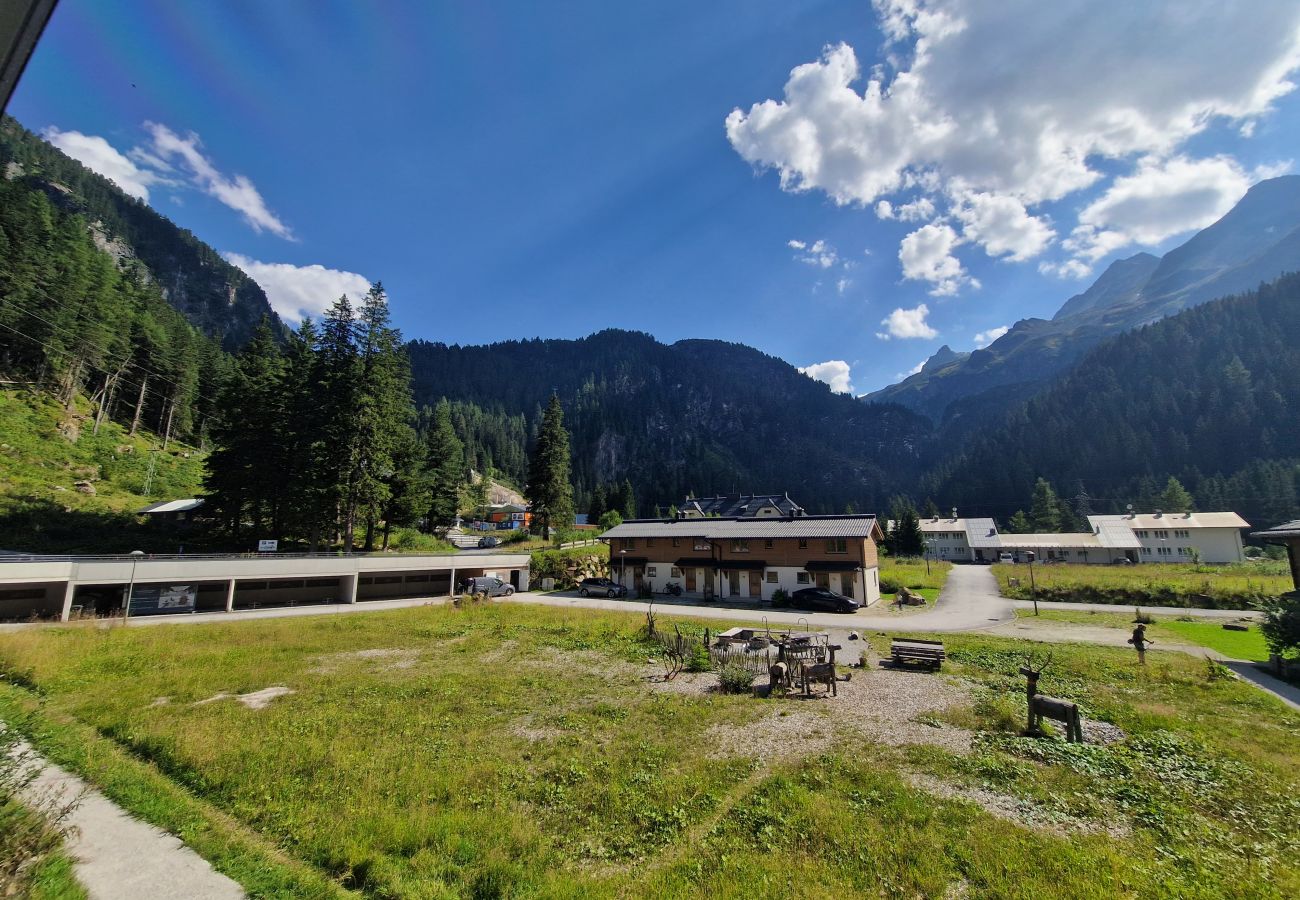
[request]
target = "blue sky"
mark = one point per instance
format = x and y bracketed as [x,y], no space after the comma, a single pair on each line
[844,185]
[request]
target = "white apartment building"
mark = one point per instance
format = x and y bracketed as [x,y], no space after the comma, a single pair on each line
[1172,537]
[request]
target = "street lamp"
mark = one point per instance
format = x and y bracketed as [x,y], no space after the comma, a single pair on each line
[130,588]
[622,578]
[928,546]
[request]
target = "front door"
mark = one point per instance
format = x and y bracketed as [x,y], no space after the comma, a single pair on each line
[733,582]
[755,584]
[690,581]
[824,580]
[846,584]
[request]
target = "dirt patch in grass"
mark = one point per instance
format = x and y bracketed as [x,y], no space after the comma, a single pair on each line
[883,706]
[253,699]
[386,657]
[1018,809]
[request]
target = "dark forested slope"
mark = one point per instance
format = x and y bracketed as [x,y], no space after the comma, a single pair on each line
[1211,395]
[215,296]
[692,416]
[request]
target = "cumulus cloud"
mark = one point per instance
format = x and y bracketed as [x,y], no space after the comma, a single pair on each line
[984,338]
[907,323]
[1070,268]
[1161,198]
[1000,224]
[926,255]
[818,253]
[834,372]
[915,370]
[843,285]
[296,292]
[988,109]
[100,157]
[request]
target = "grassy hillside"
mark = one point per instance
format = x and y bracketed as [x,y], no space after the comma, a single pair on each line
[45,451]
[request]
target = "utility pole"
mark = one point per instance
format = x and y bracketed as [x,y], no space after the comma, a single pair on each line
[1033,588]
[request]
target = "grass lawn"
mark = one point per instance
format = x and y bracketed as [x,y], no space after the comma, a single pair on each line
[1150,584]
[509,750]
[911,573]
[1247,645]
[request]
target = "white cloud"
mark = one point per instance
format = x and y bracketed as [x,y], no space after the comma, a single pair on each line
[843,284]
[1070,268]
[926,255]
[100,157]
[818,253]
[907,323]
[172,160]
[918,210]
[984,338]
[1018,99]
[296,292]
[834,372]
[1000,224]
[237,192]
[915,370]
[1162,198]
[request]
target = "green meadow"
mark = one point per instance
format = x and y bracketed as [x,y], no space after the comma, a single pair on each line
[517,751]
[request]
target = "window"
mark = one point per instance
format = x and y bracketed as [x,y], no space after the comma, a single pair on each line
[702,544]
[1142,534]
[675,541]
[801,578]
[1146,551]
[767,544]
[1181,532]
[739,546]
[1184,551]
[771,578]
[837,545]
[649,542]
[629,543]
[803,543]
[675,572]
[651,571]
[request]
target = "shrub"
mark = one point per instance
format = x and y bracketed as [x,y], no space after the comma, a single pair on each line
[1281,624]
[889,585]
[697,659]
[735,678]
[780,598]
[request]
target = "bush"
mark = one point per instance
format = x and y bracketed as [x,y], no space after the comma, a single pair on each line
[735,678]
[1281,625]
[889,585]
[697,659]
[780,598]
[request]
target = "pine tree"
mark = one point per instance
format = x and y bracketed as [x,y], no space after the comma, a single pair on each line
[599,504]
[1044,509]
[930,510]
[446,467]
[336,375]
[549,491]
[1175,498]
[906,537]
[1019,523]
[627,500]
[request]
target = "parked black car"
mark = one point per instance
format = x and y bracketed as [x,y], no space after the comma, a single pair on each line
[599,586]
[823,600]
[489,586]
[488,541]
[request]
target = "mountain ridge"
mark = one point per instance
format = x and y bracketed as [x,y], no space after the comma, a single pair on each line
[1256,241]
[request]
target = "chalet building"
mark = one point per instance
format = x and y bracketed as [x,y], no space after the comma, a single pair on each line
[740,506]
[1214,537]
[749,557]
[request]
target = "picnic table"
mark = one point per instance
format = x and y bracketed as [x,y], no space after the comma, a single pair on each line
[924,654]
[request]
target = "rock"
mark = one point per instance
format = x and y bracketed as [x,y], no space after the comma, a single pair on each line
[85,487]
[853,635]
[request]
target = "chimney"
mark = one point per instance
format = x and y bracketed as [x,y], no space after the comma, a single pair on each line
[1187,515]
[1159,513]
[954,514]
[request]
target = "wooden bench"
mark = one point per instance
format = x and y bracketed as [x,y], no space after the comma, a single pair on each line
[927,654]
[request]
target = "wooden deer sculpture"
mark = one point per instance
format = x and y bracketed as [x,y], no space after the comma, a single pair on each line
[1044,707]
[823,672]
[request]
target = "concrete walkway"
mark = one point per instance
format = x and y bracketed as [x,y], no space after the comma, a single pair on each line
[117,857]
[1248,671]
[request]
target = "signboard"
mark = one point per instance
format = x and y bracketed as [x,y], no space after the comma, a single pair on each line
[267,546]
[163,599]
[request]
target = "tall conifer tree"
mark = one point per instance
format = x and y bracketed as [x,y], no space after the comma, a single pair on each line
[549,491]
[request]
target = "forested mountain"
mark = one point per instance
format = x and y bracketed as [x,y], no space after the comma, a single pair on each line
[1256,241]
[696,415]
[1211,396]
[73,320]
[215,296]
